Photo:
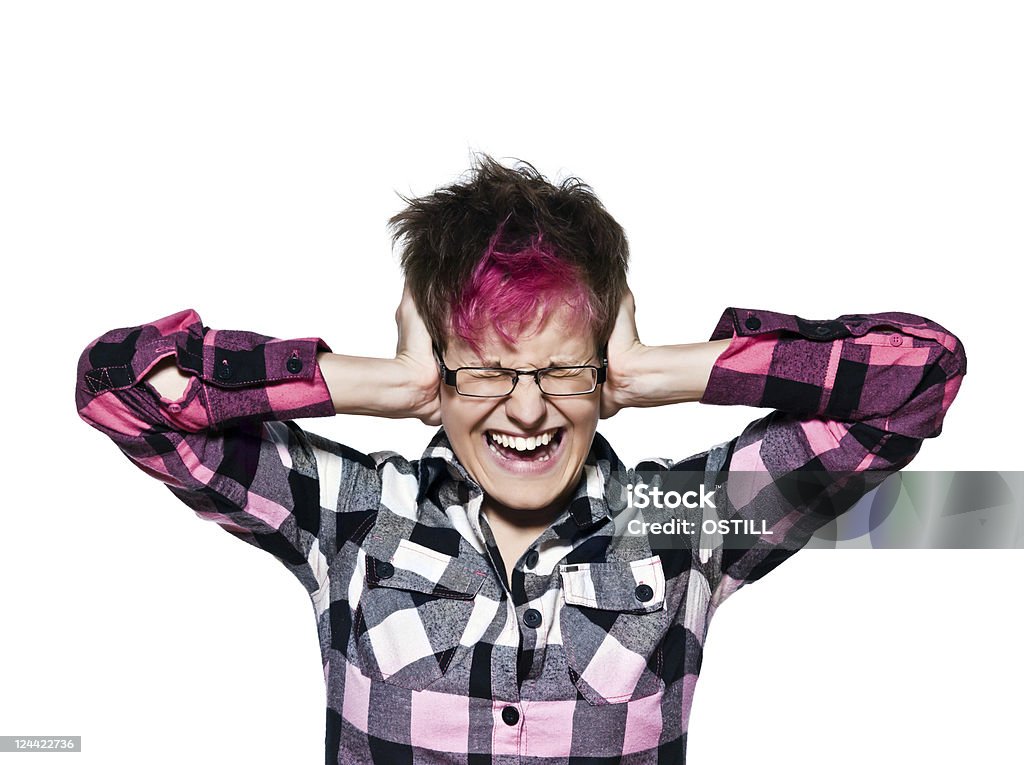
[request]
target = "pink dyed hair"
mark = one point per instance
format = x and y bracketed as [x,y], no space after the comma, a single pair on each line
[510,289]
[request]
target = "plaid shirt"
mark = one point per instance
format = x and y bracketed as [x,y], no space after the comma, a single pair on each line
[593,653]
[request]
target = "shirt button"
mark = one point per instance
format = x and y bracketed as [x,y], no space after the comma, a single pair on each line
[532,618]
[174,408]
[896,339]
[510,715]
[752,323]
[531,559]
[294,365]
[224,370]
[643,592]
[384,569]
[821,329]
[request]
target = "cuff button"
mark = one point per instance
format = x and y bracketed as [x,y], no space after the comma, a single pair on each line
[752,323]
[294,365]
[643,592]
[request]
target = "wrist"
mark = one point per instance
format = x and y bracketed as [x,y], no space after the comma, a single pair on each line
[628,383]
[415,387]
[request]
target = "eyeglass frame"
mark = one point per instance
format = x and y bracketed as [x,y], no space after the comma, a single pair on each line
[448,376]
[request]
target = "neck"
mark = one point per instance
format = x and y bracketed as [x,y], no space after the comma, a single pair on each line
[521,520]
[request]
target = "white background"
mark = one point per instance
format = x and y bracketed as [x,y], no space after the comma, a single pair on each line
[242,159]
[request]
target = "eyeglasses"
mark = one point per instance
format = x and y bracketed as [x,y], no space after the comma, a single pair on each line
[496,382]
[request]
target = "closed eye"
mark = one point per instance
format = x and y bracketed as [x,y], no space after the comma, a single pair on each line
[564,373]
[485,374]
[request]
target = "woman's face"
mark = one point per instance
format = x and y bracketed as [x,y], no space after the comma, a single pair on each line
[561,427]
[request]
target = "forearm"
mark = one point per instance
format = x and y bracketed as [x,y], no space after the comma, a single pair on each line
[669,374]
[358,384]
[897,372]
[169,381]
[174,372]
[231,375]
[374,386]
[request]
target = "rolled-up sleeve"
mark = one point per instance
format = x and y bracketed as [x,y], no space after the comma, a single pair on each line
[854,397]
[227,447]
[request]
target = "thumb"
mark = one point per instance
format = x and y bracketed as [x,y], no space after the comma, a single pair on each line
[624,333]
[413,336]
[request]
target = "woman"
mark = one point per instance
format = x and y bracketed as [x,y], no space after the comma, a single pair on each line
[481,604]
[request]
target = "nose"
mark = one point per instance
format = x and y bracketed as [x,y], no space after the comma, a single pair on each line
[526,406]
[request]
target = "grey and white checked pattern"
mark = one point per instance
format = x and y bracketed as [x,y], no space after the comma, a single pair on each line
[428,656]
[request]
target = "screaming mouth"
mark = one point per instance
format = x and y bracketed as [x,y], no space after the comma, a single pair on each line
[536,448]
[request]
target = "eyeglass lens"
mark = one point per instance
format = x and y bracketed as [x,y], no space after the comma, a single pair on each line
[495,382]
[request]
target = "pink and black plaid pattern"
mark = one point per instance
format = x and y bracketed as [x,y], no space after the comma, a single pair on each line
[592,656]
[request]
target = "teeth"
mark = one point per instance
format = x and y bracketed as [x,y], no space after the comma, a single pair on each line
[521,444]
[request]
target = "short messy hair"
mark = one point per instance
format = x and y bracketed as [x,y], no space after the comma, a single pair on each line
[492,249]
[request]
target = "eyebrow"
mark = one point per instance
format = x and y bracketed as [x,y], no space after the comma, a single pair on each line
[558,361]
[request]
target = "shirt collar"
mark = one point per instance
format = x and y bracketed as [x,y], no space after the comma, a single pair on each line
[441,474]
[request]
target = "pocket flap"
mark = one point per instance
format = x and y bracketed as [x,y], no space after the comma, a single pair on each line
[417,568]
[630,586]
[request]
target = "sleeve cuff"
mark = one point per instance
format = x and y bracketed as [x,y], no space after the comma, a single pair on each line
[747,322]
[243,375]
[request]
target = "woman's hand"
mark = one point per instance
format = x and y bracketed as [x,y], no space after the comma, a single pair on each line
[415,356]
[653,375]
[625,360]
[404,386]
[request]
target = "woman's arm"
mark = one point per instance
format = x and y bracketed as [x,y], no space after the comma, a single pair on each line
[404,386]
[897,371]
[653,375]
[208,412]
[854,398]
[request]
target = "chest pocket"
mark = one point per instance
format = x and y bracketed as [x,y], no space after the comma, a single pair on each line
[613,622]
[413,613]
